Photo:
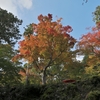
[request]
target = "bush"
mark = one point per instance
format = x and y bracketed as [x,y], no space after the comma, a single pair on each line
[80,90]
[93,95]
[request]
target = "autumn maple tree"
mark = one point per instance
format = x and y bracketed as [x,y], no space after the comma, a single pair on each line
[89,44]
[50,44]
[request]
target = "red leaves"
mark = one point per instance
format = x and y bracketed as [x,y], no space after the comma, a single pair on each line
[50,16]
[42,18]
[68,29]
[91,41]
[27,52]
[68,81]
[22,43]
[50,31]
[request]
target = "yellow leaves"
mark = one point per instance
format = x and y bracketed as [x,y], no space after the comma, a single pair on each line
[89,69]
[91,56]
[43,53]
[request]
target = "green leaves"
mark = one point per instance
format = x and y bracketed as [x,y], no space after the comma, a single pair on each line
[9,27]
[96,14]
[8,70]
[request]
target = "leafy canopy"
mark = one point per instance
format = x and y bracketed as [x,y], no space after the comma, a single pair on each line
[90,42]
[49,40]
[89,45]
[50,44]
[96,14]
[8,70]
[9,27]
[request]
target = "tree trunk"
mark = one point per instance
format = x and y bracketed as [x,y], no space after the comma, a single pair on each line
[44,77]
[27,80]
[27,76]
[44,72]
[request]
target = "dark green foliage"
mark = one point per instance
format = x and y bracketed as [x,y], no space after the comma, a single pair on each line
[9,27]
[75,70]
[28,30]
[27,93]
[85,59]
[9,73]
[95,81]
[96,14]
[80,90]
[9,35]
[31,92]
[8,70]
[60,92]
[93,95]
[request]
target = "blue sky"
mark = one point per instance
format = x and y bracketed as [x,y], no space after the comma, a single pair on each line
[72,11]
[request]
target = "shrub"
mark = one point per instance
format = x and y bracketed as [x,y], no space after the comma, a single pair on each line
[93,95]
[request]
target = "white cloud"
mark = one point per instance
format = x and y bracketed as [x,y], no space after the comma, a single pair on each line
[9,6]
[14,5]
[25,3]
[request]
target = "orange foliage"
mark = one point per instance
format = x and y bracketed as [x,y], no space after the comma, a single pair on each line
[49,41]
[22,73]
[91,41]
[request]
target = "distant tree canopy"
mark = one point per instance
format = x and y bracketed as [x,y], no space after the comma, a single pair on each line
[89,45]
[9,27]
[9,35]
[8,69]
[28,30]
[96,14]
